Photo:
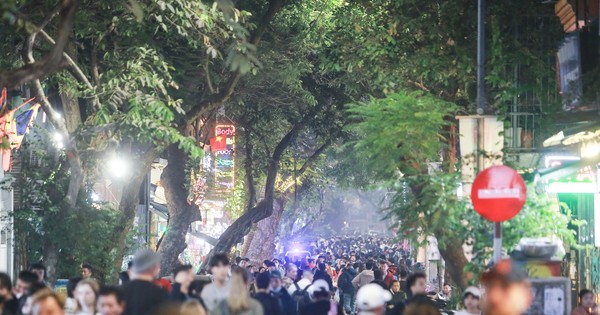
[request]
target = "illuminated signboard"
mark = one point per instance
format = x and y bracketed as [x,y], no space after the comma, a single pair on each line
[224,166]
[584,181]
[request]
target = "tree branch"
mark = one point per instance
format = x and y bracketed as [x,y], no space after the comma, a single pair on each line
[249,176]
[228,88]
[50,63]
[77,72]
[311,160]
[207,238]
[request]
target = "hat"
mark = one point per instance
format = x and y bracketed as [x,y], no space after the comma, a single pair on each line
[506,272]
[474,291]
[318,286]
[276,274]
[144,259]
[372,296]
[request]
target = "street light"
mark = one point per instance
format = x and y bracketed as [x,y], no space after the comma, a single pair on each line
[118,167]
[58,140]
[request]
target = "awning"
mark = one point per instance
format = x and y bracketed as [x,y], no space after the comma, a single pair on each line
[576,135]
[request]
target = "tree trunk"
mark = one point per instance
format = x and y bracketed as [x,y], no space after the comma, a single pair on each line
[128,205]
[247,243]
[181,213]
[239,228]
[263,242]
[50,253]
[235,232]
[455,259]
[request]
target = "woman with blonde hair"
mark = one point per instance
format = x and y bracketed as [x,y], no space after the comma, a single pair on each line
[239,301]
[85,294]
[45,302]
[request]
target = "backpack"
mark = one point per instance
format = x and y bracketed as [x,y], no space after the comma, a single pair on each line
[301,297]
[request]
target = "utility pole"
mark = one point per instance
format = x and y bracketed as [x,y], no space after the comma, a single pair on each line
[481,109]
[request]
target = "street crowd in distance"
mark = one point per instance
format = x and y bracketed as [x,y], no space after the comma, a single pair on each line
[366,276]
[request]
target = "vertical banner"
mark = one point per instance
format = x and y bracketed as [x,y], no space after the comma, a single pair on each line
[224,160]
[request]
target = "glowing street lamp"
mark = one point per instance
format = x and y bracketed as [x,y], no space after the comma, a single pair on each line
[118,167]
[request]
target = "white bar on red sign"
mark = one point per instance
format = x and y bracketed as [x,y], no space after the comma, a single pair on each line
[506,193]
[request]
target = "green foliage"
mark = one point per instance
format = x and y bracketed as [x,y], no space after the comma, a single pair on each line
[541,216]
[400,133]
[237,201]
[437,210]
[81,235]
[386,46]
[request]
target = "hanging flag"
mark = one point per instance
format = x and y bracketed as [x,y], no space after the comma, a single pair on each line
[3,101]
[218,143]
[22,124]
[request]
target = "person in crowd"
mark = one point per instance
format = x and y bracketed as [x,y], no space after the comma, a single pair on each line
[25,280]
[390,276]
[403,277]
[417,285]
[40,270]
[85,294]
[269,265]
[183,276]
[320,296]
[219,289]
[446,293]
[320,259]
[164,284]
[27,299]
[192,307]
[281,294]
[507,291]
[278,265]
[269,303]
[471,298]
[86,271]
[365,277]
[372,299]
[71,303]
[111,301]
[347,288]
[321,273]
[46,302]
[331,271]
[125,276]
[238,301]
[8,302]
[422,305]
[383,266]
[378,275]
[291,275]
[243,263]
[261,269]
[303,283]
[397,295]
[587,303]
[142,296]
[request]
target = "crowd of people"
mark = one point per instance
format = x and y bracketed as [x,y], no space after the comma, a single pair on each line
[376,281]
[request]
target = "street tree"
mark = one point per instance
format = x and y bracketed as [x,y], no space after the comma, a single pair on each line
[401,138]
[127,89]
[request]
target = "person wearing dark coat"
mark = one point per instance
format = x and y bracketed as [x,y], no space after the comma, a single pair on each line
[269,303]
[321,303]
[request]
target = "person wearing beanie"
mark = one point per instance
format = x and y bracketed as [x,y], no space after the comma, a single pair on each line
[142,296]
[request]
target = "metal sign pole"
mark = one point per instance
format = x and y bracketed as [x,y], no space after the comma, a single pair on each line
[497,241]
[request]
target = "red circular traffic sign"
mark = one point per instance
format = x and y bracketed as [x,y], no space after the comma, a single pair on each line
[498,193]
